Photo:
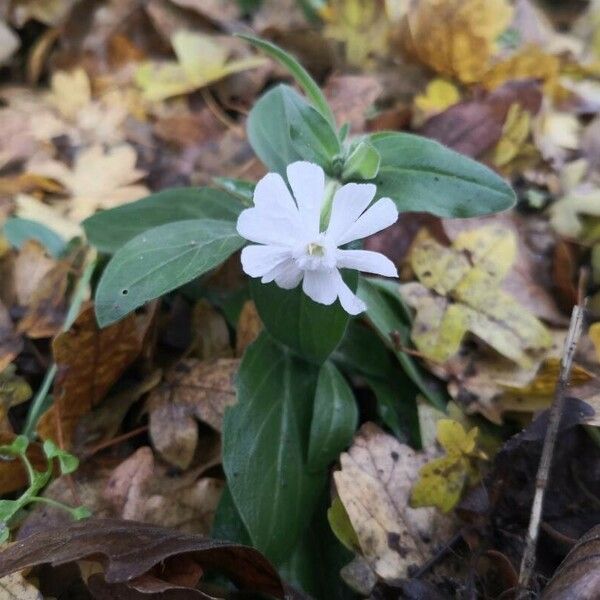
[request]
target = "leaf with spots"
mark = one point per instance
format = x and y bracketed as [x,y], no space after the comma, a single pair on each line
[459,291]
[374,485]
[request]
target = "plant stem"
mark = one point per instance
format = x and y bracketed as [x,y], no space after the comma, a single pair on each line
[38,404]
[528,560]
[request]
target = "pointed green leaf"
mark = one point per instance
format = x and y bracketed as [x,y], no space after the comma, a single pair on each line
[423,175]
[161,260]
[265,444]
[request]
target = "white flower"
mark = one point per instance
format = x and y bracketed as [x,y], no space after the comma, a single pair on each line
[293,247]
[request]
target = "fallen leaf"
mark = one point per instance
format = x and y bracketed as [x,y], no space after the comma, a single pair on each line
[98,179]
[515,132]
[29,207]
[351,97]
[49,12]
[248,328]
[211,334]
[474,127]
[193,390]
[89,360]
[442,480]
[200,61]
[457,38]
[374,485]
[132,549]
[578,576]
[529,63]
[361,25]
[16,587]
[71,91]
[9,42]
[13,476]
[11,342]
[459,292]
[594,335]
[439,95]
[32,265]
[14,390]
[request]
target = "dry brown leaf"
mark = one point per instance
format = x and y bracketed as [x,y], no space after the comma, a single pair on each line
[457,38]
[90,360]
[16,587]
[31,266]
[248,327]
[98,179]
[13,476]
[351,96]
[211,334]
[11,342]
[192,390]
[142,490]
[374,485]
[14,390]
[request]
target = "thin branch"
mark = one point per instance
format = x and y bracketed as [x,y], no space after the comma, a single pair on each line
[528,561]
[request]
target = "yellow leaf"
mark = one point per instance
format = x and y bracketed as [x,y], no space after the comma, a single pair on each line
[200,61]
[442,480]
[362,25]
[529,63]
[457,38]
[459,291]
[514,135]
[437,97]
[440,483]
[453,438]
[14,390]
[594,335]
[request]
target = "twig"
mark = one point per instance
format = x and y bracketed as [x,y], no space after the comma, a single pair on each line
[541,481]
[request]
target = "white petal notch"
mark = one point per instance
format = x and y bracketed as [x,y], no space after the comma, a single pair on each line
[290,245]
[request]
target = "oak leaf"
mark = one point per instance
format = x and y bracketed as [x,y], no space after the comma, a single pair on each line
[459,291]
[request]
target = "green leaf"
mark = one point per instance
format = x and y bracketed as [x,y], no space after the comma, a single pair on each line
[68,463]
[386,313]
[265,439]
[240,188]
[340,524]
[161,260]
[18,231]
[314,564]
[8,508]
[423,175]
[110,229]
[81,512]
[292,318]
[362,163]
[283,128]
[335,417]
[298,72]
[19,445]
[227,524]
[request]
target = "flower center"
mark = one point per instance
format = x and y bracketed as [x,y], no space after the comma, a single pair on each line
[315,255]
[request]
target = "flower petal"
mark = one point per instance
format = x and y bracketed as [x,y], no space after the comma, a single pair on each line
[320,285]
[349,202]
[290,277]
[307,181]
[269,227]
[286,271]
[272,194]
[366,260]
[350,302]
[380,216]
[259,260]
